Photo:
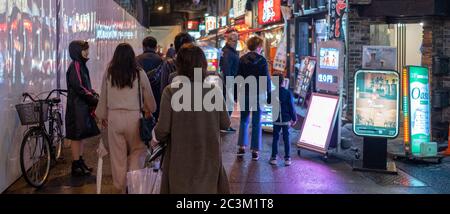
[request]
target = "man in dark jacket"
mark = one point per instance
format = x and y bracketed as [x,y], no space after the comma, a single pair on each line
[168,70]
[287,117]
[253,64]
[150,61]
[229,65]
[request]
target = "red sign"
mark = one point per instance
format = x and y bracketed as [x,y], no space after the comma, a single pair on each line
[192,25]
[269,11]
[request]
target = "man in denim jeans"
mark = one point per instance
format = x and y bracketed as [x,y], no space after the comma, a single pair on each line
[253,64]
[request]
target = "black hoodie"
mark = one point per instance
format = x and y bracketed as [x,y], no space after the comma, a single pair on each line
[253,64]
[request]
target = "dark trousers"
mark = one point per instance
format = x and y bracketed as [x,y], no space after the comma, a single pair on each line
[276,138]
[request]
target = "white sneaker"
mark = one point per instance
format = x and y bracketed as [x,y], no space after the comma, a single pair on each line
[287,161]
[273,161]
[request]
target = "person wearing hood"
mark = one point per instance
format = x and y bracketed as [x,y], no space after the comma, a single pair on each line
[81,103]
[252,64]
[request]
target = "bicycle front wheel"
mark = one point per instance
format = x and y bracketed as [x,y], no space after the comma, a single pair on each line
[35,158]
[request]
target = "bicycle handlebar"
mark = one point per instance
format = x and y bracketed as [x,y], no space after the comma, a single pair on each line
[27,95]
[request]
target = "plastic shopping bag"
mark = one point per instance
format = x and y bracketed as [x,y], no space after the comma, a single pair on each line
[144,181]
[102,152]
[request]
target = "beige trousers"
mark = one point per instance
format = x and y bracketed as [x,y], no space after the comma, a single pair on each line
[127,151]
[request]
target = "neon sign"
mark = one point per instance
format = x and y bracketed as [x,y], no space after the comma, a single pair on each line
[269,11]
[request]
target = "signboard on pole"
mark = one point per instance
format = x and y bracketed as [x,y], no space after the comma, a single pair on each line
[416,108]
[376,101]
[330,69]
[319,124]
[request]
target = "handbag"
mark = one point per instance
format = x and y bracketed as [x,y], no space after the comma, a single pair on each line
[146,125]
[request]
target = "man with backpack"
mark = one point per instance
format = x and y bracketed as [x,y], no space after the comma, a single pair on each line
[168,69]
[152,63]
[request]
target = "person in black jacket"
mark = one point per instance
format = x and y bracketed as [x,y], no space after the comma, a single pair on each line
[150,61]
[252,64]
[168,70]
[287,117]
[229,64]
[81,103]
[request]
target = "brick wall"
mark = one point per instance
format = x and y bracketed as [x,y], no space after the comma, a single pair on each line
[436,40]
[359,36]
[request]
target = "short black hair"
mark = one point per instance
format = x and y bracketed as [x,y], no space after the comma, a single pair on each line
[149,42]
[171,45]
[181,39]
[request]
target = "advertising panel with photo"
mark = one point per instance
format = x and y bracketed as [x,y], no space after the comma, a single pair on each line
[379,57]
[330,69]
[329,58]
[317,129]
[376,101]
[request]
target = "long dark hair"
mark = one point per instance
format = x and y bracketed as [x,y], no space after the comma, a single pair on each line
[190,57]
[123,67]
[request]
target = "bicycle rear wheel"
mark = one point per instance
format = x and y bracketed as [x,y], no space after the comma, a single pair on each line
[58,137]
[35,158]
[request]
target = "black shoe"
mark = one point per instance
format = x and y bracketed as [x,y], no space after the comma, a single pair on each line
[78,169]
[241,152]
[255,156]
[83,164]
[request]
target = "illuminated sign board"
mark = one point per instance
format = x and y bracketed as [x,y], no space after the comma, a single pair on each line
[193,25]
[269,11]
[239,8]
[210,23]
[223,21]
[330,69]
[376,103]
[416,107]
[318,126]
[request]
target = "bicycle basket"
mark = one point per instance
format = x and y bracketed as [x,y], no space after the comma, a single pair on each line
[29,113]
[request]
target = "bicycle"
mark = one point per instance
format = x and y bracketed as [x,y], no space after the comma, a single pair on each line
[40,144]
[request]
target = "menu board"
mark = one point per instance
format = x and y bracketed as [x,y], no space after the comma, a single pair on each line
[318,126]
[376,101]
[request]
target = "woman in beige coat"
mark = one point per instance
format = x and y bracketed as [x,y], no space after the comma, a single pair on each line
[193,159]
[119,110]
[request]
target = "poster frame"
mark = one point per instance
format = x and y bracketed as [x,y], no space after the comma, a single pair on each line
[397,103]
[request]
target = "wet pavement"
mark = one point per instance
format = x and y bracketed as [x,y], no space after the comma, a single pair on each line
[308,174]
